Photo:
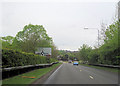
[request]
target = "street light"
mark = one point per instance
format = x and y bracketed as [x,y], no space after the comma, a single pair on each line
[98,33]
[98,39]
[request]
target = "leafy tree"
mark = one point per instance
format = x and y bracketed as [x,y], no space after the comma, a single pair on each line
[109,50]
[84,52]
[0,43]
[32,37]
[54,51]
[67,55]
[7,41]
[93,56]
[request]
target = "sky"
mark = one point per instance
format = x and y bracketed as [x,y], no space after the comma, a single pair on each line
[64,20]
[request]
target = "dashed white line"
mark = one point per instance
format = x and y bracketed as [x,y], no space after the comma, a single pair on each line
[91,77]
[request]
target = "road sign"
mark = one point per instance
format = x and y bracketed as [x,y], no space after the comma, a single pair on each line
[43,51]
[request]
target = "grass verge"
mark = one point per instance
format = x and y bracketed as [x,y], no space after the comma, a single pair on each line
[115,70]
[28,78]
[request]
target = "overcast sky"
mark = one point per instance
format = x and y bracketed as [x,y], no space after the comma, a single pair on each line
[64,20]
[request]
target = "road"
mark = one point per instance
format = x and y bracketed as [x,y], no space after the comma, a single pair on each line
[71,74]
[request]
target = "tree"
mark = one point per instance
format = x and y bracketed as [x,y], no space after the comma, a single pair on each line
[54,51]
[109,50]
[32,37]
[0,43]
[7,41]
[84,52]
[93,56]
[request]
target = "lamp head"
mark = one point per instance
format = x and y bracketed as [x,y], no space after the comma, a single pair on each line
[85,28]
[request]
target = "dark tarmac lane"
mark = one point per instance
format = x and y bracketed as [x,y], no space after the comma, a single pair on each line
[72,74]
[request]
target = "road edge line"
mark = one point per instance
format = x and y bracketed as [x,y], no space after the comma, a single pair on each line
[53,73]
[42,79]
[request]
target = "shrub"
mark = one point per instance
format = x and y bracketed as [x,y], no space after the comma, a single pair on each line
[12,58]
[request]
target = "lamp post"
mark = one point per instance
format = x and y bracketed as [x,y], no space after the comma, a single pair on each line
[119,11]
[98,34]
[98,40]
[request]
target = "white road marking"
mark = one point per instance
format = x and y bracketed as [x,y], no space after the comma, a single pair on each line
[91,77]
[80,70]
[54,73]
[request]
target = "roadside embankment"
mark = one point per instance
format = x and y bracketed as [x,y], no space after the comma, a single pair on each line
[103,67]
[29,77]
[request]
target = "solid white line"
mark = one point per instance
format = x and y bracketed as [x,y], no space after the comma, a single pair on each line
[54,72]
[91,77]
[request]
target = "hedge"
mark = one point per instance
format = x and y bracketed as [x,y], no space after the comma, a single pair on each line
[12,58]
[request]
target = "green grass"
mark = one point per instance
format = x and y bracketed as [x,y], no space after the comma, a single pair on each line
[103,68]
[36,73]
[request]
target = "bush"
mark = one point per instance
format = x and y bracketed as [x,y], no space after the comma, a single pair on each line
[12,58]
[93,56]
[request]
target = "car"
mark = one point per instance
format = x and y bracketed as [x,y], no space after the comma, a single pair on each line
[69,61]
[75,63]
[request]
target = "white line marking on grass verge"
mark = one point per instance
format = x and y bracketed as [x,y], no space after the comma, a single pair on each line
[91,77]
[54,72]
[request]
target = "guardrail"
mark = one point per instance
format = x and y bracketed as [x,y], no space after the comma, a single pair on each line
[103,65]
[12,71]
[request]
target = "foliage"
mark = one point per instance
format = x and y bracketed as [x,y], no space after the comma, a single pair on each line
[7,41]
[67,55]
[93,56]
[29,40]
[12,58]
[19,50]
[108,52]
[0,43]
[32,37]
[25,81]
[54,51]
[84,52]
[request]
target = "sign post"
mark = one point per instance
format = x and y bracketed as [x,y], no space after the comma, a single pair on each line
[43,51]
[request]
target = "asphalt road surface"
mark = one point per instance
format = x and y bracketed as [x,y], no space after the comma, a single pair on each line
[68,73]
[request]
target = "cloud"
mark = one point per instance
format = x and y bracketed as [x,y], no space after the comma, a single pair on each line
[64,21]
